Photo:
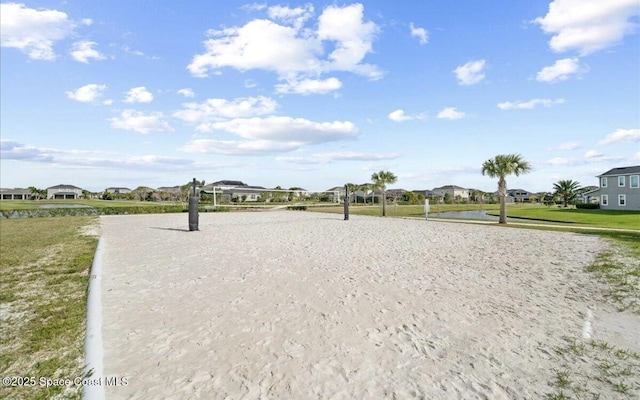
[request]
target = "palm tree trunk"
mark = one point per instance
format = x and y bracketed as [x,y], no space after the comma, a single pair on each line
[502,193]
[384,203]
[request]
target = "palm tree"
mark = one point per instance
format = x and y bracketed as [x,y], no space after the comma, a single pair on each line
[351,187]
[364,187]
[501,166]
[380,179]
[566,189]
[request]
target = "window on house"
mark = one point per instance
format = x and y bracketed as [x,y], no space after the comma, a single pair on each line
[634,181]
[622,199]
[603,181]
[604,200]
[621,181]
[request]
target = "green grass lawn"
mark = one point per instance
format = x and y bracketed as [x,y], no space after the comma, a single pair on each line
[45,264]
[533,212]
[596,218]
[402,210]
[33,204]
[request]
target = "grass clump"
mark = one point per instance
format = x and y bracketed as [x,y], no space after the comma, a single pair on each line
[45,266]
[594,370]
[619,266]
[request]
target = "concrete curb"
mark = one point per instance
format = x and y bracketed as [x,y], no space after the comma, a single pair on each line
[93,350]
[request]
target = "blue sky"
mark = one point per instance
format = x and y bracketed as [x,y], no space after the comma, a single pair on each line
[316,94]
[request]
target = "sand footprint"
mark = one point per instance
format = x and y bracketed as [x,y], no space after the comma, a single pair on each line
[292,348]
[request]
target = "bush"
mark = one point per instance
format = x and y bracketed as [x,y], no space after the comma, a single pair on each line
[588,206]
[297,208]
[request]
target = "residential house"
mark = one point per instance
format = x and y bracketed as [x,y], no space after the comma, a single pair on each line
[395,195]
[426,193]
[336,193]
[15,194]
[118,190]
[519,195]
[67,192]
[453,191]
[227,191]
[619,189]
[583,194]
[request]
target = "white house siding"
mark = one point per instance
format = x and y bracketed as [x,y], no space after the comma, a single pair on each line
[64,192]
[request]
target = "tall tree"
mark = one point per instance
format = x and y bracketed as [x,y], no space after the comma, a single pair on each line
[567,189]
[380,179]
[499,167]
[351,187]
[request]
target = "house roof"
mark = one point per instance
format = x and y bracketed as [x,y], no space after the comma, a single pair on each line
[229,183]
[623,171]
[63,187]
[115,188]
[450,187]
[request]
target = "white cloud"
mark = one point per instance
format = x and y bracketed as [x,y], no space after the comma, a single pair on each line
[560,161]
[295,17]
[235,147]
[451,113]
[293,51]
[592,154]
[528,105]
[325,158]
[352,39]
[470,73]
[622,135]
[83,51]
[570,146]
[186,92]
[138,95]
[420,33]
[87,93]
[399,116]
[288,129]
[33,31]
[12,150]
[588,25]
[309,86]
[139,122]
[213,110]
[560,70]
[637,156]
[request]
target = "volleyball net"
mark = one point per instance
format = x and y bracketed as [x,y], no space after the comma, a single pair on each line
[264,198]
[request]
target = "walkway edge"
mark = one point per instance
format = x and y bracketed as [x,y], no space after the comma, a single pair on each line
[93,350]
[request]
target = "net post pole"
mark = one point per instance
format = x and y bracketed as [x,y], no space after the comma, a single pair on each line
[193,209]
[346,202]
[426,209]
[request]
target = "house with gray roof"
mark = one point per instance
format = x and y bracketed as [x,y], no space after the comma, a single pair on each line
[64,192]
[15,194]
[619,189]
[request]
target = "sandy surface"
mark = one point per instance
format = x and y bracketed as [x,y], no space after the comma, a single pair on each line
[300,305]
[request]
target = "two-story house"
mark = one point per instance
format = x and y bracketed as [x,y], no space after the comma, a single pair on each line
[619,189]
[453,191]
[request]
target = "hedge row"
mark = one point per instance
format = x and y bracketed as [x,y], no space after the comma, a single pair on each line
[587,206]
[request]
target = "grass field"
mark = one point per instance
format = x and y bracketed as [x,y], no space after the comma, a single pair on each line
[33,204]
[533,212]
[45,265]
[597,218]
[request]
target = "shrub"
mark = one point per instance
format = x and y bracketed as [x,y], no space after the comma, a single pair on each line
[297,208]
[588,206]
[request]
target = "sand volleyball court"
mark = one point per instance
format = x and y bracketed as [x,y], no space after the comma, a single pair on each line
[301,305]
